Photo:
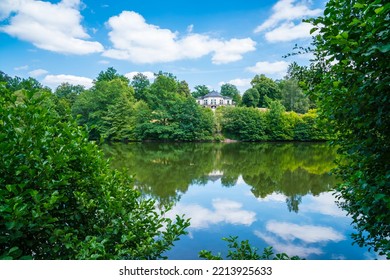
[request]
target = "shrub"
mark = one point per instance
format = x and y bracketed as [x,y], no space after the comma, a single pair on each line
[58,197]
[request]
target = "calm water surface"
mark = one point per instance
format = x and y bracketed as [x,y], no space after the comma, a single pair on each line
[271,194]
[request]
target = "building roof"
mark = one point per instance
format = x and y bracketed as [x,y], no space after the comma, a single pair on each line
[214,94]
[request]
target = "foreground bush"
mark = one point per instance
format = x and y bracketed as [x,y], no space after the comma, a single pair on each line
[58,197]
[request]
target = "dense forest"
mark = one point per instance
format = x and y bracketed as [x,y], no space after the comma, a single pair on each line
[119,109]
[59,199]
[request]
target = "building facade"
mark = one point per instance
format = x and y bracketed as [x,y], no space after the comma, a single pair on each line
[214,99]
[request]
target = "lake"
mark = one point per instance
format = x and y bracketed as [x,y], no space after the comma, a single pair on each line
[273,194]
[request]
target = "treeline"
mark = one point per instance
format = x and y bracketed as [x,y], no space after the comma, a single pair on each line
[116,108]
[274,124]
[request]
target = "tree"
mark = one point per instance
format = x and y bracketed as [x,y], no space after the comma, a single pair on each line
[184,89]
[352,84]
[141,85]
[109,75]
[292,96]
[266,88]
[200,90]
[60,199]
[68,92]
[93,106]
[231,91]
[250,98]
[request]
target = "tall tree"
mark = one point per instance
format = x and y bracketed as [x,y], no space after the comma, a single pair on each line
[266,87]
[251,97]
[292,96]
[200,90]
[231,91]
[141,85]
[353,70]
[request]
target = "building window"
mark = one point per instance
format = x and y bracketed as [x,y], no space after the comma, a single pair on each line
[221,101]
[205,102]
[228,102]
[213,101]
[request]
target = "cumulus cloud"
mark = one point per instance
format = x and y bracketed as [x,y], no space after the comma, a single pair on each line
[290,249]
[53,27]
[324,204]
[148,74]
[288,32]
[277,68]
[306,233]
[54,81]
[137,41]
[37,72]
[285,23]
[224,210]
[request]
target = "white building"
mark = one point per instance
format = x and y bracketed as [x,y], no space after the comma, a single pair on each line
[214,99]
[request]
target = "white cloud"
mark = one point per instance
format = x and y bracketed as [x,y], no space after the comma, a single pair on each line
[324,204]
[288,32]
[54,81]
[137,41]
[306,233]
[37,72]
[224,211]
[280,26]
[53,27]
[278,68]
[290,249]
[241,84]
[148,74]
[23,67]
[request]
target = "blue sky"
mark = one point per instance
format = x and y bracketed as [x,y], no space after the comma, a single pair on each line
[202,42]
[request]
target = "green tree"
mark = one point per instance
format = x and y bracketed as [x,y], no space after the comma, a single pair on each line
[60,199]
[292,96]
[200,90]
[266,88]
[184,89]
[352,83]
[109,75]
[231,91]
[141,85]
[93,106]
[250,98]
[67,94]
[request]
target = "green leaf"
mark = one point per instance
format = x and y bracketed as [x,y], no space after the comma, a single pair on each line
[379,10]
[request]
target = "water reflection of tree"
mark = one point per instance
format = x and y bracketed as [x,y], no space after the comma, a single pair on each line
[164,171]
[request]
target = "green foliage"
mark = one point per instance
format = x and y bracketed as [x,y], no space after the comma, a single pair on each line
[244,251]
[267,88]
[103,108]
[141,86]
[250,98]
[274,124]
[246,124]
[200,90]
[58,197]
[351,78]
[292,96]
[231,91]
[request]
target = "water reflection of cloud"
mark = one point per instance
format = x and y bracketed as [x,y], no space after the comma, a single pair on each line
[323,204]
[303,251]
[222,210]
[306,233]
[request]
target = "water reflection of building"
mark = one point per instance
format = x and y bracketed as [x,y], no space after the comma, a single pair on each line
[215,175]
